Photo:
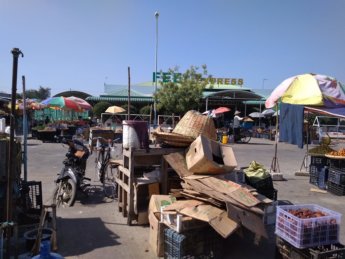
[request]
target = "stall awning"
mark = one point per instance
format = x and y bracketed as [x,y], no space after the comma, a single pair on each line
[232,94]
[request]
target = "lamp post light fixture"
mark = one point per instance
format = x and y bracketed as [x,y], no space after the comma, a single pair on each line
[155,102]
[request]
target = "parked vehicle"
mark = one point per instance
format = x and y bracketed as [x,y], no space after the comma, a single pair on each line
[106,166]
[72,178]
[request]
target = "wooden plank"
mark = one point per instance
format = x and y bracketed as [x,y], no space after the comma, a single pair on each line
[123,185]
[124,170]
[151,151]
[178,162]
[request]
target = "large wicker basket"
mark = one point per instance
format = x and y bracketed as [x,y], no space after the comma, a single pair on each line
[194,124]
[188,129]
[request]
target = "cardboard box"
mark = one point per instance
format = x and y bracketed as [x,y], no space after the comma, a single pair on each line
[206,156]
[179,222]
[159,201]
[156,235]
[143,191]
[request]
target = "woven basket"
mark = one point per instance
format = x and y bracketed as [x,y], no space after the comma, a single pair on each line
[194,124]
[187,130]
[172,139]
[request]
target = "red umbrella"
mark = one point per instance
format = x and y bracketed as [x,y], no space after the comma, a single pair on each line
[81,102]
[220,110]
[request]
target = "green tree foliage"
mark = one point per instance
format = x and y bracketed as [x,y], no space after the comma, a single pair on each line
[42,93]
[146,109]
[99,108]
[133,109]
[185,95]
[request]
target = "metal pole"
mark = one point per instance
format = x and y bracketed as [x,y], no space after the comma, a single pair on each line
[25,133]
[129,93]
[11,160]
[155,102]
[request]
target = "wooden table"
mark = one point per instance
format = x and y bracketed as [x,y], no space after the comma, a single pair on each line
[133,158]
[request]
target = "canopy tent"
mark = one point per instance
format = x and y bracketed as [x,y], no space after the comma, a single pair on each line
[316,93]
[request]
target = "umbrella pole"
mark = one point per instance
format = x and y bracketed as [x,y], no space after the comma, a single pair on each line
[306,156]
[275,163]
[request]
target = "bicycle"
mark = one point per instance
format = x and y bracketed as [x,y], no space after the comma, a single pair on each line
[105,167]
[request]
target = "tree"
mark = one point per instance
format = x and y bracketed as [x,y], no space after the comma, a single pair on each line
[184,95]
[42,93]
[146,109]
[99,108]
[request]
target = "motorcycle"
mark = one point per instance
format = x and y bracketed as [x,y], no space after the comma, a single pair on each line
[72,176]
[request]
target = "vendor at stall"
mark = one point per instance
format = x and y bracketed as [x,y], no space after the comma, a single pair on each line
[237,125]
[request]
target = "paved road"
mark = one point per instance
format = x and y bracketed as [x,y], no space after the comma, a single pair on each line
[93,228]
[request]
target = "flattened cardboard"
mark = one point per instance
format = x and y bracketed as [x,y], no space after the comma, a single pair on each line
[179,205]
[214,216]
[201,153]
[223,190]
[224,225]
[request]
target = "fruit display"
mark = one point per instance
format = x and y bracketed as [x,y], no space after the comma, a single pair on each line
[304,213]
[340,152]
[307,225]
[321,150]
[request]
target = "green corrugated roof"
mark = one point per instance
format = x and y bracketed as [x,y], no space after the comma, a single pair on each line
[110,98]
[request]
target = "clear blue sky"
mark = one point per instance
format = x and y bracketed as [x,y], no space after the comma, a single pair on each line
[80,44]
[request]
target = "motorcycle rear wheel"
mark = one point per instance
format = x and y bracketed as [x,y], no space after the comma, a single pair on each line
[65,193]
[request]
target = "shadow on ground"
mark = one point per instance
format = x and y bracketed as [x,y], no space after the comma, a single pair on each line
[84,235]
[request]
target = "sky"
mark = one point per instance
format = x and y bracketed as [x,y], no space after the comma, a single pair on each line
[82,44]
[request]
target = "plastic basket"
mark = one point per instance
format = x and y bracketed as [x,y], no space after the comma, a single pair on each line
[334,251]
[314,170]
[269,193]
[196,243]
[264,184]
[336,188]
[336,176]
[309,232]
[337,164]
[319,177]
[319,160]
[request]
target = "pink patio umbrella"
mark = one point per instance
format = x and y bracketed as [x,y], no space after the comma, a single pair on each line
[81,102]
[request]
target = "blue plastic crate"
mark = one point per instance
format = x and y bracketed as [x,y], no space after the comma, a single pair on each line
[336,188]
[319,160]
[336,176]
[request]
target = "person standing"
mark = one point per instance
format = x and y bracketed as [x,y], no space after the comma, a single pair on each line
[237,125]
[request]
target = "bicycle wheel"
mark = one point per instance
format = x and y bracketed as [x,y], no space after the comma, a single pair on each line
[109,183]
[245,137]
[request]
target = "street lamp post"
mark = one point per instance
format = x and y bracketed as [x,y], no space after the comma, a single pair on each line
[155,102]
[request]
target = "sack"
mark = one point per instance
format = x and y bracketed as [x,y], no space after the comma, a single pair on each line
[256,172]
